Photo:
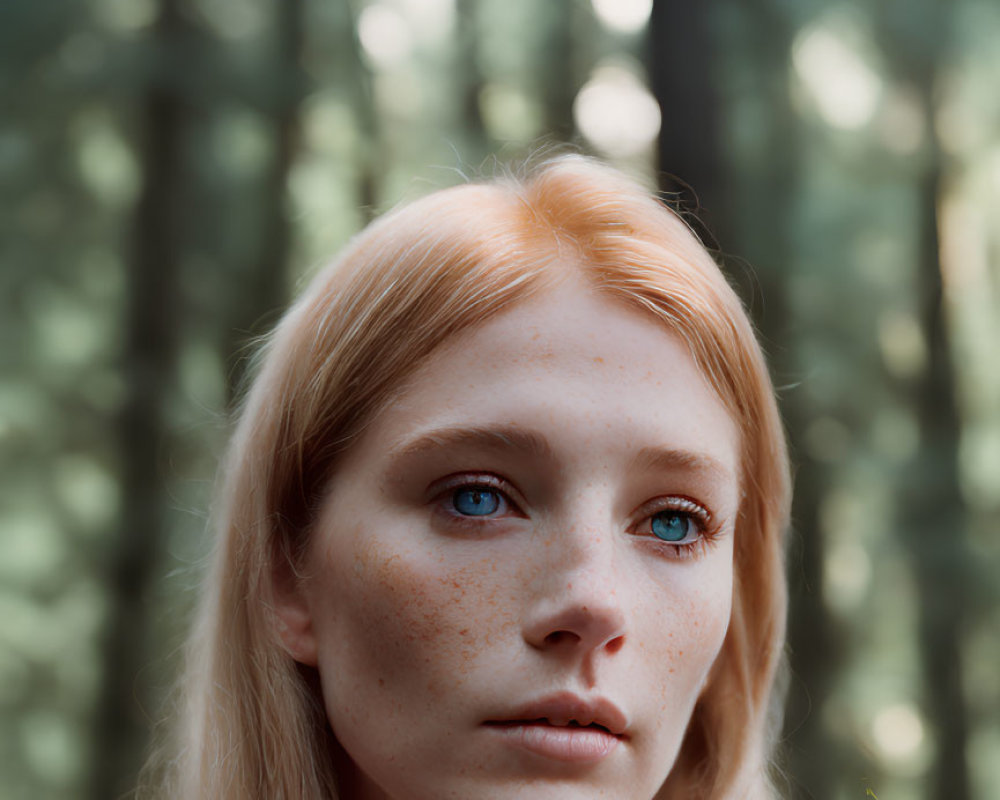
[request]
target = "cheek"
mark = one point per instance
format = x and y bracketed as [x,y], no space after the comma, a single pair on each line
[408,621]
[689,636]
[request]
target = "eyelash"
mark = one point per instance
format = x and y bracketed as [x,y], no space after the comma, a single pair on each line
[705,536]
[445,491]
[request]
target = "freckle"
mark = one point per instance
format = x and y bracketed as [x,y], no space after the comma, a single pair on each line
[382,682]
[598,360]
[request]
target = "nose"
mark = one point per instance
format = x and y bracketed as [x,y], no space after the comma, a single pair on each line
[577,607]
[579,627]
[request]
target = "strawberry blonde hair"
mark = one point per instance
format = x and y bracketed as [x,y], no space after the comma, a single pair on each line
[252,724]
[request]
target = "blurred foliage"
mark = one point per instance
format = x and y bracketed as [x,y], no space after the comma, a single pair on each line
[171,171]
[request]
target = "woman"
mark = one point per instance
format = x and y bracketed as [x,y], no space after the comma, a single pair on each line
[503,518]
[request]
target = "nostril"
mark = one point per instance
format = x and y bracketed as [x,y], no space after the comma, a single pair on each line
[561,637]
[570,627]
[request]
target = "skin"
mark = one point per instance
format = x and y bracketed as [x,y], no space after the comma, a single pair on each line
[581,419]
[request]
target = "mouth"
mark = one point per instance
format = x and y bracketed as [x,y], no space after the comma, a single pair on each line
[546,722]
[564,727]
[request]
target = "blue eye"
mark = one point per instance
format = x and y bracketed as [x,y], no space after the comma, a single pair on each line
[671,526]
[475,501]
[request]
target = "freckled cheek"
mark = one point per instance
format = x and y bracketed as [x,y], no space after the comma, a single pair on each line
[421,621]
[711,624]
[687,640]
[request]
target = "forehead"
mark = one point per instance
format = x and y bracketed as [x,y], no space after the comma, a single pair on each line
[567,363]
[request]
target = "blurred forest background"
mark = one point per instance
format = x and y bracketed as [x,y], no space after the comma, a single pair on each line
[172,170]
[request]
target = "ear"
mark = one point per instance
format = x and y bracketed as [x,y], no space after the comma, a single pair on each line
[292,614]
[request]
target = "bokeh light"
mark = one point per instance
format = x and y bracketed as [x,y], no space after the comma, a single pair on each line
[898,731]
[624,16]
[844,88]
[616,112]
[385,35]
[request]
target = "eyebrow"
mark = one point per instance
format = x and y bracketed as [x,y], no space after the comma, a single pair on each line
[493,437]
[671,460]
[532,444]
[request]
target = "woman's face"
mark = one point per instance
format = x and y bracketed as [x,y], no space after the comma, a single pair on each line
[522,573]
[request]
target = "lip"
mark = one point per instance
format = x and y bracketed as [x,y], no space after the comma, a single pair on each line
[564,727]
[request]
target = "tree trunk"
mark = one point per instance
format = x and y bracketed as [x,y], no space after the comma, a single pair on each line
[469,77]
[682,57]
[121,729]
[557,72]
[266,292]
[363,97]
[932,515]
